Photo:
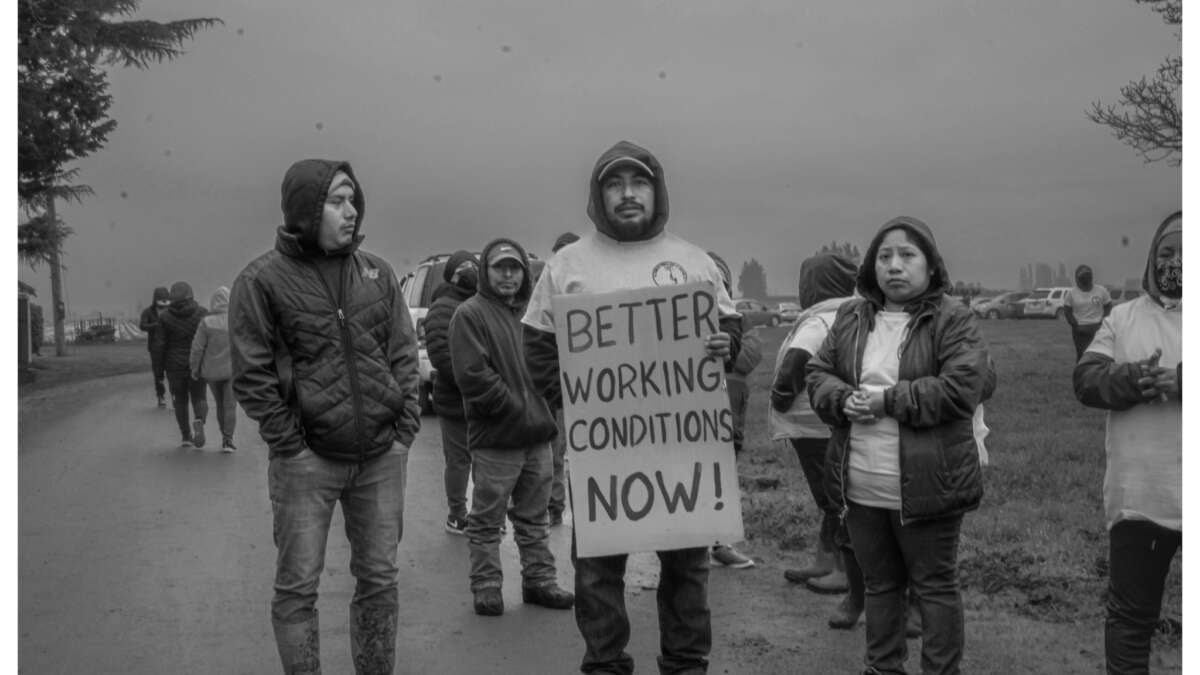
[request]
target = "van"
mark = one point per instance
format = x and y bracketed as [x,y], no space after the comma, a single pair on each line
[417,288]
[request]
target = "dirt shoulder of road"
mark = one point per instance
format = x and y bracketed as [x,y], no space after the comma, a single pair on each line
[55,386]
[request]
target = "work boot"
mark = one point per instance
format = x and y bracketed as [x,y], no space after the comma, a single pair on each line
[834,582]
[550,596]
[489,602]
[373,639]
[845,617]
[299,646]
[823,564]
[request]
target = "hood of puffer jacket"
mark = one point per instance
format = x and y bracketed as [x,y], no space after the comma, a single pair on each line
[1172,223]
[220,301]
[823,277]
[919,232]
[485,281]
[304,189]
[595,207]
[183,303]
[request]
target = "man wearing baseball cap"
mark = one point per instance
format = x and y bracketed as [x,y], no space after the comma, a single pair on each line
[630,248]
[509,429]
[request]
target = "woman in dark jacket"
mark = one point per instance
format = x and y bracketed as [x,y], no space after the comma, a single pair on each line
[898,380]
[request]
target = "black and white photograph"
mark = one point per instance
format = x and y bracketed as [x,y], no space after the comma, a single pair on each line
[474,338]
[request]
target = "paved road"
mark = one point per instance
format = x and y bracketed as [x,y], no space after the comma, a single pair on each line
[138,557]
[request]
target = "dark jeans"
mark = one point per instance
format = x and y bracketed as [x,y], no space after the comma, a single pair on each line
[684,621]
[226,405]
[811,453]
[183,389]
[1139,557]
[458,465]
[1082,336]
[156,367]
[739,398]
[558,491]
[925,555]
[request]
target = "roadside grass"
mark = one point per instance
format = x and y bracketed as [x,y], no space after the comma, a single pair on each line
[1037,546]
[85,362]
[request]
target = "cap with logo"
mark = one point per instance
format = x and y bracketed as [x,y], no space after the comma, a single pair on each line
[627,162]
[504,252]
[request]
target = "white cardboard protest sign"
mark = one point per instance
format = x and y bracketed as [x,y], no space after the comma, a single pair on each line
[647,421]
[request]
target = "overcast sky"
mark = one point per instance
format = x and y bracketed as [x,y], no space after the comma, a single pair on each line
[780,128]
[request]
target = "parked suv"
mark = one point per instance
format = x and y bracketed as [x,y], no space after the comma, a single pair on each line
[417,287]
[756,313]
[1000,306]
[1045,303]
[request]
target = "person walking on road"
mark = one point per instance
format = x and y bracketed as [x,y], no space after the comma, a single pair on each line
[630,248]
[173,344]
[210,362]
[1085,306]
[325,360]
[1134,370]
[509,427]
[149,325]
[461,275]
[899,378]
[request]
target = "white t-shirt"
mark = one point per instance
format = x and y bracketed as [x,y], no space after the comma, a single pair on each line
[1088,306]
[800,421]
[874,466]
[1144,476]
[600,264]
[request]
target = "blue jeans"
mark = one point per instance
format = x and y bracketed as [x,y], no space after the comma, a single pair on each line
[1139,555]
[522,476]
[925,555]
[458,465]
[684,621]
[184,389]
[304,489]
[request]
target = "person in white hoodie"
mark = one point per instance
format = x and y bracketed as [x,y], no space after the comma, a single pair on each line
[210,361]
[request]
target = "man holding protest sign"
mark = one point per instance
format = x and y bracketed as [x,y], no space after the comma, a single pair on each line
[644,328]
[509,429]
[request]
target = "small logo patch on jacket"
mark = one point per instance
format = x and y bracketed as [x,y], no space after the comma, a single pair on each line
[371,273]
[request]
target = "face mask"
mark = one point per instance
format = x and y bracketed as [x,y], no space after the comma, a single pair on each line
[468,279]
[1169,277]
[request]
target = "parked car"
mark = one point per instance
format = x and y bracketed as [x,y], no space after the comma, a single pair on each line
[1045,303]
[1000,306]
[758,314]
[418,287]
[788,312]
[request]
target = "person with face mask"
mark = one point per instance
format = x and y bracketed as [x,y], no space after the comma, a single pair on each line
[898,380]
[1085,306]
[509,429]
[461,275]
[1133,368]
[149,323]
[630,248]
[173,344]
[325,360]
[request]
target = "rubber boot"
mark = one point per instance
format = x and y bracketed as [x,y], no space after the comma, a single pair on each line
[851,607]
[834,582]
[373,639]
[299,646]
[823,563]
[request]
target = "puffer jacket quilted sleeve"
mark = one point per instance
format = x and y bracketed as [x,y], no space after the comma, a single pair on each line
[262,373]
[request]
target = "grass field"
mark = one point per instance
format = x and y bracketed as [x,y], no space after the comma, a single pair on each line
[85,362]
[1037,546]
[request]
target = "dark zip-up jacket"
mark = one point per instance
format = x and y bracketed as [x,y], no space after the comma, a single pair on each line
[324,353]
[503,408]
[945,372]
[176,328]
[447,399]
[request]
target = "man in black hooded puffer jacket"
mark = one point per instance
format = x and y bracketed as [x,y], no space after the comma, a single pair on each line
[325,360]
[172,347]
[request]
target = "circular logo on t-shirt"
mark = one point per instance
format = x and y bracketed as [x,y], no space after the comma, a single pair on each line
[667,273]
